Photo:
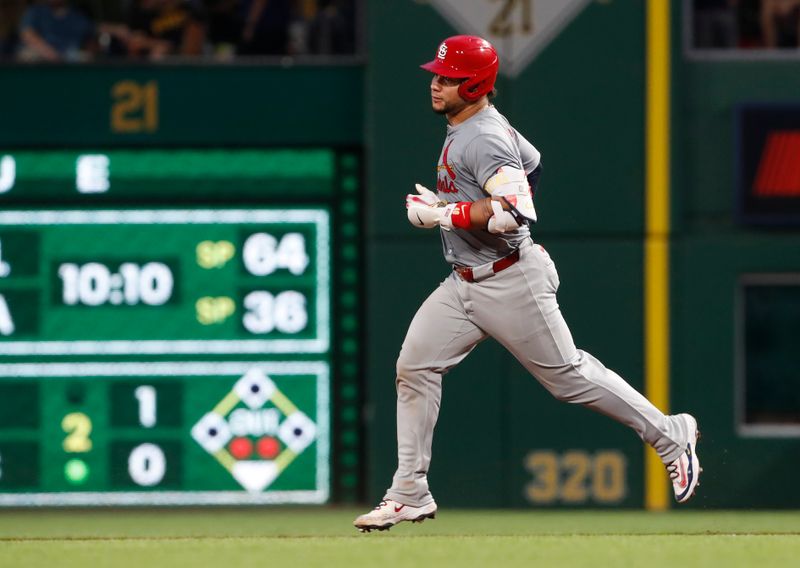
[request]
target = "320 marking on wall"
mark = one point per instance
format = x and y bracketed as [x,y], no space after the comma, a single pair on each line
[575,477]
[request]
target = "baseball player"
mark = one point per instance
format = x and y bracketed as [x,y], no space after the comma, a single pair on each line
[502,285]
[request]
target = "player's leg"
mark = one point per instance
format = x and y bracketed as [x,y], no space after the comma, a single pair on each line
[439,337]
[542,342]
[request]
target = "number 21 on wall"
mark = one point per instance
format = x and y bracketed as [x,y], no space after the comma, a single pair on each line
[134,107]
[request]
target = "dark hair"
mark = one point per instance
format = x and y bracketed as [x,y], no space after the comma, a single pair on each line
[492,94]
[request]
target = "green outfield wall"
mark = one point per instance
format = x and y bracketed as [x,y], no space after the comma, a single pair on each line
[746,464]
[370,135]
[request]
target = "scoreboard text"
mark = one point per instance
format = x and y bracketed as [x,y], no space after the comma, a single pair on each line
[179,326]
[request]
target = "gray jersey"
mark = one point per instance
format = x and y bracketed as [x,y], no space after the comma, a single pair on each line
[473,152]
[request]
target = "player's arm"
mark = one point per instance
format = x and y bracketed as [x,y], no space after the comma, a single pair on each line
[482,215]
[424,209]
[501,162]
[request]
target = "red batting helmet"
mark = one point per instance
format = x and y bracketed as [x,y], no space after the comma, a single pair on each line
[467,57]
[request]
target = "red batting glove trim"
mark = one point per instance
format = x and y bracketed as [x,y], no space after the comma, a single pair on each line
[461,215]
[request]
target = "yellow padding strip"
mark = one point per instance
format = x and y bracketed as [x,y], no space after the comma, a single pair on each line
[657,237]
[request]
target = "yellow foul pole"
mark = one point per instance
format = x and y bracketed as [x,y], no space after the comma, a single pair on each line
[657,233]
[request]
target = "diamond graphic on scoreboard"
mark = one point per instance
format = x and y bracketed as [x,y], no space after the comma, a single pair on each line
[297,432]
[255,475]
[254,388]
[255,415]
[212,432]
[241,448]
[268,447]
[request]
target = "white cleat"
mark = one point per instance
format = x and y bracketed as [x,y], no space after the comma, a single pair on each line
[388,513]
[685,471]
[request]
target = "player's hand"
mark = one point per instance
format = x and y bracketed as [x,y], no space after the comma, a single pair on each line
[423,198]
[424,209]
[502,221]
[424,216]
[428,196]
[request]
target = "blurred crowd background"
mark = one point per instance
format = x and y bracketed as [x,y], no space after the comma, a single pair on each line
[92,30]
[97,30]
[746,24]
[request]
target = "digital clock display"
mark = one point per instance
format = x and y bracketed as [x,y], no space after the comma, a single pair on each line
[165,281]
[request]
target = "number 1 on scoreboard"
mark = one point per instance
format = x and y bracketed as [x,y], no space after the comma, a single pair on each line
[146,395]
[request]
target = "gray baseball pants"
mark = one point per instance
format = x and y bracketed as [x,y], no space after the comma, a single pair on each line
[518,308]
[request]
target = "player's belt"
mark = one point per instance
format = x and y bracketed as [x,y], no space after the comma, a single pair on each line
[484,271]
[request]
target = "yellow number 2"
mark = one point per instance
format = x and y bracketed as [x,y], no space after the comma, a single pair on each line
[78,426]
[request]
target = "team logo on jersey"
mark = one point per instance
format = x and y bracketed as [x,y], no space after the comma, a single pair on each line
[445,185]
[442,51]
[445,165]
[442,183]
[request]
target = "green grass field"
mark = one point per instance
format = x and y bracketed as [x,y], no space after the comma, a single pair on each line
[296,538]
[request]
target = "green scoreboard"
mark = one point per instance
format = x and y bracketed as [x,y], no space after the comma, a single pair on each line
[179,326]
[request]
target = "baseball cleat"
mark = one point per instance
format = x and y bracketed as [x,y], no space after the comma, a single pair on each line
[388,513]
[685,470]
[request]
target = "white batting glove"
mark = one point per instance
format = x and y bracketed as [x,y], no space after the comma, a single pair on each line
[427,195]
[502,221]
[424,209]
[423,216]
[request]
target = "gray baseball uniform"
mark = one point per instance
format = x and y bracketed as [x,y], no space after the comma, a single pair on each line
[515,305]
